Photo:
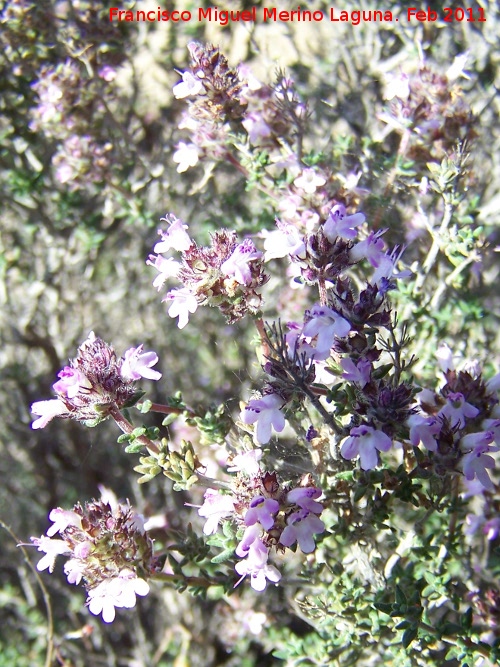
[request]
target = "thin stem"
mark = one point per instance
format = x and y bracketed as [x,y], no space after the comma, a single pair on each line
[191,581]
[437,238]
[323,298]
[264,340]
[126,427]
[168,409]
[45,595]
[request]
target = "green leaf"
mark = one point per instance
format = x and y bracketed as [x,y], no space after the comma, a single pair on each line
[409,635]
[400,596]
[134,448]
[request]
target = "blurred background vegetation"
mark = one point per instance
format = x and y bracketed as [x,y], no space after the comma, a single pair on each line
[73,260]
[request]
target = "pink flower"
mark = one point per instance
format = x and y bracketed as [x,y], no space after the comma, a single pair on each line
[116,592]
[286,240]
[340,224]
[301,526]
[262,510]
[217,506]
[62,519]
[251,534]
[266,412]
[386,267]
[72,382]
[74,569]
[183,303]
[364,442]
[372,249]
[137,364]
[47,410]
[190,85]
[238,264]
[309,181]
[175,237]
[248,462]
[167,267]
[52,549]
[186,156]
[256,127]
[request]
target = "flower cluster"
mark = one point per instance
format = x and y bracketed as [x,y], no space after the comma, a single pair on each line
[226,275]
[460,427]
[96,383]
[107,548]
[429,105]
[268,514]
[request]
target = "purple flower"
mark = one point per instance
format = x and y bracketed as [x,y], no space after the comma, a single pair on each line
[266,412]
[457,410]
[424,429]
[137,364]
[386,269]
[262,510]
[256,127]
[493,426]
[359,373]
[183,303]
[325,323]
[364,442]
[238,264]
[476,462]
[217,506]
[301,526]
[340,224]
[256,566]
[304,497]
[251,534]
[492,528]
[372,249]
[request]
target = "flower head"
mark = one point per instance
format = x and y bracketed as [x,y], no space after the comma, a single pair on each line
[95,383]
[108,549]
